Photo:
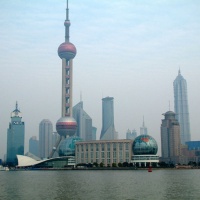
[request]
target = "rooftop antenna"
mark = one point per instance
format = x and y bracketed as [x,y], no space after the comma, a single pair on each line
[143,122]
[169,105]
[81,96]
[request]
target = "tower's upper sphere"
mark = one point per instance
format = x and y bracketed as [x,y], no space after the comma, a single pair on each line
[145,145]
[66,126]
[67,50]
[67,23]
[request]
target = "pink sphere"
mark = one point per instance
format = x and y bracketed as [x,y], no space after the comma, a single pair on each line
[67,50]
[66,126]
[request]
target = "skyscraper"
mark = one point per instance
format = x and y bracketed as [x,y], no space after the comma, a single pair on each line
[143,129]
[181,107]
[66,125]
[108,128]
[170,138]
[45,138]
[84,122]
[15,137]
[131,135]
[34,146]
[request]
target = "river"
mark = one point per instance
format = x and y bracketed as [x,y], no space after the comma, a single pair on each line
[100,184]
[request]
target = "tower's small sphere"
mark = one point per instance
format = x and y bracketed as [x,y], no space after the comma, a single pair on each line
[67,50]
[66,126]
[67,23]
[145,145]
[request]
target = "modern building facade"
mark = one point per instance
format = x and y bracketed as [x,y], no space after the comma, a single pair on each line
[131,135]
[104,151]
[45,138]
[34,146]
[84,122]
[170,138]
[143,129]
[181,107]
[108,128]
[15,137]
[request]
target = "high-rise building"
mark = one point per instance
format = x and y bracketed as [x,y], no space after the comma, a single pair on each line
[131,135]
[55,138]
[143,129]
[45,138]
[34,146]
[181,107]
[15,137]
[170,138]
[84,122]
[94,133]
[108,128]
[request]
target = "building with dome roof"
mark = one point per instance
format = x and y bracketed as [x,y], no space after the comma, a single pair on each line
[145,150]
[15,137]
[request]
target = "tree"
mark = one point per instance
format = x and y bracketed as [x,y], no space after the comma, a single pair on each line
[114,165]
[101,164]
[95,164]
[119,164]
[125,164]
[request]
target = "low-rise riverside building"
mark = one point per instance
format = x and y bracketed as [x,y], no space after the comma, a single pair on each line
[104,151]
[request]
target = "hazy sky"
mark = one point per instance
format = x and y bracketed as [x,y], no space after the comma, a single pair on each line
[127,49]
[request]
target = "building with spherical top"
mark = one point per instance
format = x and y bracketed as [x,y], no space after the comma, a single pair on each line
[145,149]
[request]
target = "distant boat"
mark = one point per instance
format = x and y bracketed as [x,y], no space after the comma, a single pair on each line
[3,168]
[150,168]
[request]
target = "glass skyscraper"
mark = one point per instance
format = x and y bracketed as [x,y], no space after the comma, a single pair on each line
[45,138]
[84,122]
[15,137]
[181,107]
[108,128]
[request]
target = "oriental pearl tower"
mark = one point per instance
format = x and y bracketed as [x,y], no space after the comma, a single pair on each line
[66,126]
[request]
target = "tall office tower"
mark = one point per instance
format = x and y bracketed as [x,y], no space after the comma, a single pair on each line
[55,138]
[34,146]
[84,122]
[94,133]
[181,107]
[108,128]
[170,138]
[45,138]
[15,137]
[66,125]
[143,129]
[131,135]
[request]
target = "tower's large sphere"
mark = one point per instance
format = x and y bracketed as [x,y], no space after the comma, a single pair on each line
[67,50]
[145,145]
[66,126]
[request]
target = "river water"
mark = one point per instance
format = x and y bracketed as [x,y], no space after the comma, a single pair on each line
[100,184]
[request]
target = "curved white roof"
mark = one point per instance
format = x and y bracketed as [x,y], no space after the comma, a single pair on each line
[25,161]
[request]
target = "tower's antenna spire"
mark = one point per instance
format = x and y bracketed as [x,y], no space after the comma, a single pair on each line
[16,107]
[67,24]
[81,96]
[67,12]
[169,105]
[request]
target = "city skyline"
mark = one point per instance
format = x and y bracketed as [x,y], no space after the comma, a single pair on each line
[128,50]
